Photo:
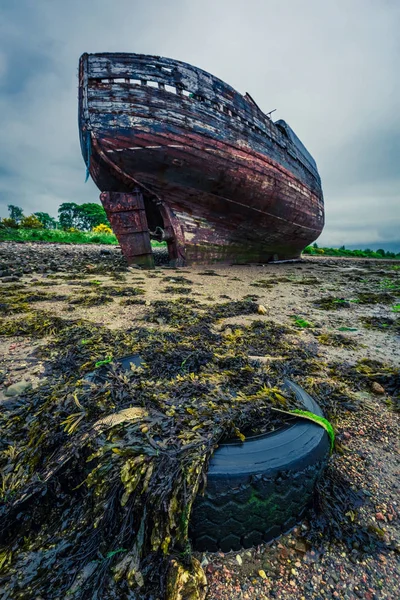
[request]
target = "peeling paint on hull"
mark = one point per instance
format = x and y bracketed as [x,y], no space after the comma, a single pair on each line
[225,183]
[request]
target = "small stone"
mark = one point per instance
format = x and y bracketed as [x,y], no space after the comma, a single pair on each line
[205,562]
[10,279]
[379,516]
[18,388]
[301,547]
[346,435]
[239,559]
[377,388]
[105,252]
[262,574]
[261,309]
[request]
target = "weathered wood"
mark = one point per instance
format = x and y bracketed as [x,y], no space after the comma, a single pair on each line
[231,183]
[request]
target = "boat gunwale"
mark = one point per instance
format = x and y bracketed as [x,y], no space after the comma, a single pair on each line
[253,112]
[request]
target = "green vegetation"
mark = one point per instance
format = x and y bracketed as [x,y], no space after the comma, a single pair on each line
[302,323]
[56,235]
[342,251]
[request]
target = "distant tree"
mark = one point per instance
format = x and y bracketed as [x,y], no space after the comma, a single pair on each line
[342,248]
[381,252]
[90,215]
[47,221]
[67,215]
[16,213]
[315,245]
[31,222]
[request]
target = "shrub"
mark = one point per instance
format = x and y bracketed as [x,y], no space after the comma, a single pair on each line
[31,222]
[9,223]
[102,228]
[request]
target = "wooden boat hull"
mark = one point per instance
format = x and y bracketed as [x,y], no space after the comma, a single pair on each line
[220,191]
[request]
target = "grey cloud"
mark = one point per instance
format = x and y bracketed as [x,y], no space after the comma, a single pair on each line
[330,68]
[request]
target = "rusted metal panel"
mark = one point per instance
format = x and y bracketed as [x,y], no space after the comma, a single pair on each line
[230,184]
[127,217]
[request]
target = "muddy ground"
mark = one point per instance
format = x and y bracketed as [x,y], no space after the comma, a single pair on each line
[344,309]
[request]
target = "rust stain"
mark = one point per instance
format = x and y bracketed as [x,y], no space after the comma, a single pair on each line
[181,156]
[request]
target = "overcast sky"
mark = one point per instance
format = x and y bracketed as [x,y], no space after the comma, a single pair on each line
[331,68]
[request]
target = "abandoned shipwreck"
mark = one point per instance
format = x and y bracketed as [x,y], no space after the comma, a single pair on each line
[181,156]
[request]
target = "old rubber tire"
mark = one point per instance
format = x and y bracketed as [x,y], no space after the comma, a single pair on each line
[259,489]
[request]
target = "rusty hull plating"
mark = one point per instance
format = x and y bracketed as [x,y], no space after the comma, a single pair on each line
[179,155]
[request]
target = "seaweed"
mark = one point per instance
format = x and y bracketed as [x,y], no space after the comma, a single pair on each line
[262,283]
[332,303]
[335,514]
[210,273]
[90,299]
[375,298]
[132,301]
[34,324]
[170,289]
[382,323]
[337,340]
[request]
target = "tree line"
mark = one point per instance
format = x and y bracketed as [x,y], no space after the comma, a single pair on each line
[82,217]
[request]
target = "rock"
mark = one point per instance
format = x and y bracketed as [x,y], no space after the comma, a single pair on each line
[105,252]
[301,547]
[379,516]
[377,388]
[239,560]
[18,388]
[261,310]
[10,278]
[262,574]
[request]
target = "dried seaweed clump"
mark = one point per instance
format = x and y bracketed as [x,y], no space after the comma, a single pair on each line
[337,340]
